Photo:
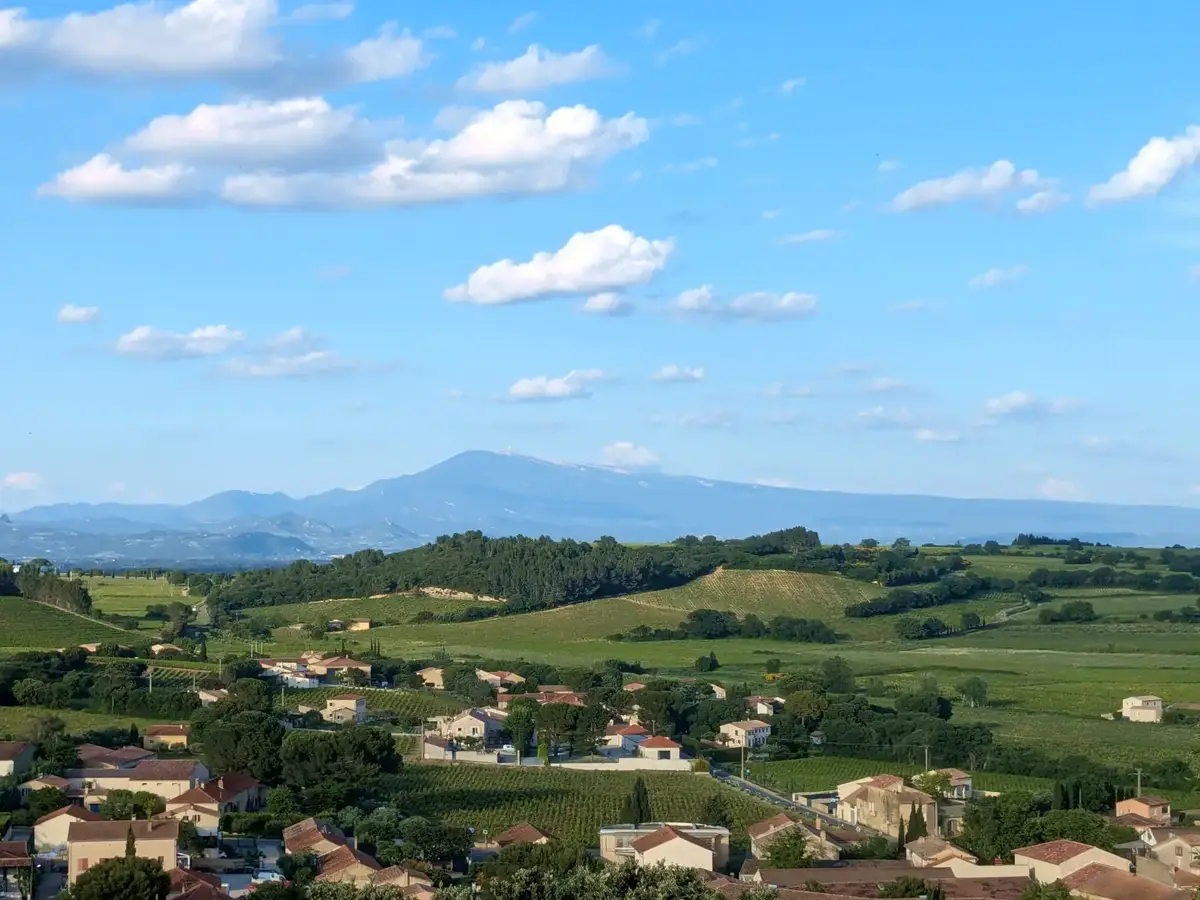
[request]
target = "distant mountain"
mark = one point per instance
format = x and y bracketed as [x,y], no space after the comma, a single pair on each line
[506,494]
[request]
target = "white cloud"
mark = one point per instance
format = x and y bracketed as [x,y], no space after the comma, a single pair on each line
[521,22]
[300,364]
[930,435]
[537,69]
[910,306]
[104,180]
[518,147]
[390,55]
[781,389]
[692,166]
[684,47]
[321,12]
[811,237]
[608,303]
[997,277]
[1023,404]
[1042,202]
[1060,489]
[628,455]
[762,306]
[884,385]
[542,387]
[255,133]
[590,261]
[72,314]
[153,343]
[885,419]
[770,214]
[791,84]
[648,29]
[968,184]
[888,165]
[21,481]
[1155,166]
[714,419]
[479,43]
[676,373]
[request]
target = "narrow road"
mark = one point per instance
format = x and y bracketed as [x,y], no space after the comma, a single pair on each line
[762,793]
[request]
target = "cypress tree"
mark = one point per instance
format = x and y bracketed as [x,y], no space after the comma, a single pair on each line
[916,825]
[130,843]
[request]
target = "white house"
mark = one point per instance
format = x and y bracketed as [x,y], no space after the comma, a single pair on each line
[749,733]
[1146,708]
[764,706]
[659,748]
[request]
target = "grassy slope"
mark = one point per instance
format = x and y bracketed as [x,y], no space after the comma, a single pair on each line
[32,626]
[131,596]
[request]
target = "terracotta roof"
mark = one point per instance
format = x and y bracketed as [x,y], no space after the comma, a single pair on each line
[1133,820]
[342,858]
[10,750]
[1099,880]
[750,724]
[308,833]
[625,730]
[660,743]
[227,786]
[204,892]
[394,874]
[1053,852]
[767,826]
[885,780]
[340,662]
[197,796]
[14,855]
[186,879]
[930,847]
[75,812]
[153,829]
[663,836]
[555,689]
[523,833]
[168,731]
[953,773]
[1150,801]
[50,781]
[634,686]
[347,697]
[435,741]
[164,770]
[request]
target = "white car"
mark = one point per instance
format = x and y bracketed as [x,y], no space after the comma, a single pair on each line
[266,875]
[508,748]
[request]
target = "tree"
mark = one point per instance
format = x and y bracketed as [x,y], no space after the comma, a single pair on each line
[300,868]
[122,878]
[789,850]
[130,844]
[556,721]
[46,800]
[973,690]
[521,723]
[935,784]
[637,805]
[716,811]
[908,886]
[836,676]
[916,826]
[707,663]
[808,706]
[969,620]
[1054,890]
[282,806]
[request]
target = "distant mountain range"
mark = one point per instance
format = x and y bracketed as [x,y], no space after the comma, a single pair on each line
[503,494]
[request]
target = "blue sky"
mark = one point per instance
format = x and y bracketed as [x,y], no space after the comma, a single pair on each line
[295,247]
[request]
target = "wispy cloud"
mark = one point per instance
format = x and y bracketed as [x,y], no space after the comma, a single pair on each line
[575,384]
[681,48]
[812,237]
[76,315]
[521,22]
[676,373]
[791,85]
[997,277]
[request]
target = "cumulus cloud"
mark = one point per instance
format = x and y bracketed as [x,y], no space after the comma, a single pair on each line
[968,184]
[73,315]
[1154,166]
[543,387]
[811,237]
[154,343]
[763,306]
[675,373]
[628,455]
[537,69]
[391,54]
[1023,404]
[608,303]
[997,277]
[103,179]
[1042,202]
[791,84]
[295,353]
[590,261]
[1060,489]
[21,481]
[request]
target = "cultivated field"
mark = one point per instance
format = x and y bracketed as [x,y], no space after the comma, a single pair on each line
[570,805]
[131,596]
[15,721]
[823,773]
[32,626]
[405,704]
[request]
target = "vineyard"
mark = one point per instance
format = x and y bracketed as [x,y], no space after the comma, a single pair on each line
[407,705]
[32,626]
[824,773]
[570,805]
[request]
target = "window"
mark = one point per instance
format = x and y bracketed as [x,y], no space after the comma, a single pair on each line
[82,866]
[1179,851]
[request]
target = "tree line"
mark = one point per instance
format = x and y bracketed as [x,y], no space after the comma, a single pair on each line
[716,624]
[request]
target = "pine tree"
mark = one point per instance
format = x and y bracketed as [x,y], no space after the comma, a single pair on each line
[916,825]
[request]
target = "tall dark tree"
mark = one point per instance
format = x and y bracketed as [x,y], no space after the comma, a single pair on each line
[121,878]
[916,826]
[637,805]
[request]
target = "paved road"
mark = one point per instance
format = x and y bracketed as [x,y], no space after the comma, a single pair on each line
[787,803]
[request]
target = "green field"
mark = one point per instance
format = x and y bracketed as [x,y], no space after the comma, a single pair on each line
[131,596]
[393,609]
[15,721]
[32,626]
[824,773]
[570,805]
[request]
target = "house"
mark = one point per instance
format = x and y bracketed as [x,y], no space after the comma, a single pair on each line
[1055,860]
[1154,810]
[1100,882]
[205,817]
[1146,708]
[750,733]
[855,881]
[338,665]
[624,738]
[231,792]
[764,706]
[184,880]
[90,648]
[499,679]
[931,851]
[168,778]
[481,725]
[555,689]
[524,833]
[504,701]
[93,756]
[763,833]
[314,836]
[617,844]
[347,865]
[50,831]
[673,848]
[14,856]
[1178,849]
[634,686]
[44,781]
[436,747]
[659,748]
[15,757]
[359,625]
[209,696]
[882,803]
[91,843]
[157,649]
[718,690]
[961,786]
[433,677]
[345,709]
[409,880]
[166,737]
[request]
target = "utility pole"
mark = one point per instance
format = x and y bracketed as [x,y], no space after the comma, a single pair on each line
[151,671]
[926,757]
[1138,772]
[743,761]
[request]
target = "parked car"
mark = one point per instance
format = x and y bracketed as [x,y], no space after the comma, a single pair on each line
[263,875]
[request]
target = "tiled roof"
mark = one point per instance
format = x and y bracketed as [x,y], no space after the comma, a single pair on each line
[1099,880]
[50,781]
[767,826]
[1053,852]
[523,833]
[10,750]
[395,874]
[308,833]
[164,770]
[342,858]
[750,724]
[75,812]
[204,892]
[14,855]
[662,836]
[660,743]
[168,731]
[186,879]
[227,786]
[152,829]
